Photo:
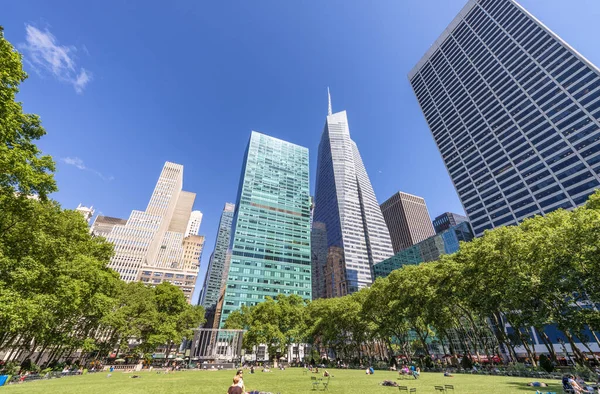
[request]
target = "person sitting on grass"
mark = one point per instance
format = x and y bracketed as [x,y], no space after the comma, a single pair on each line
[570,381]
[235,387]
[240,375]
[326,374]
[417,373]
[448,374]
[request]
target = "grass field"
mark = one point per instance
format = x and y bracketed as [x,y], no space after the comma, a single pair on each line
[290,381]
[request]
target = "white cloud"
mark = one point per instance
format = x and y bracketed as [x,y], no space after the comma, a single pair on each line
[45,54]
[79,164]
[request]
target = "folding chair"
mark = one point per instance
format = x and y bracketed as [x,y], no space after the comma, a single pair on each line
[315,382]
[413,390]
[305,371]
[403,388]
[326,384]
[441,389]
[449,387]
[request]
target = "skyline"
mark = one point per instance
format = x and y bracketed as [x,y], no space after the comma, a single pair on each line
[91,166]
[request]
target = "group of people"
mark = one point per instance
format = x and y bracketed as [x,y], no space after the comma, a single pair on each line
[412,370]
[577,384]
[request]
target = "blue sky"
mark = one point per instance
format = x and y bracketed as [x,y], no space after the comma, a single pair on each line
[123,86]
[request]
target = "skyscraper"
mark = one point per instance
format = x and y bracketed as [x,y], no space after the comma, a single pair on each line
[446,220]
[270,242]
[514,111]
[215,278]
[407,219]
[86,212]
[345,202]
[318,246]
[194,223]
[152,246]
[103,225]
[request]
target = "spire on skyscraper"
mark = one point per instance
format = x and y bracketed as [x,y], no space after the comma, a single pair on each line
[329,98]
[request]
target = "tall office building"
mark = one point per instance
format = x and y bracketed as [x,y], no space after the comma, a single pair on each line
[215,278]
[103,225]
[407,220]
[319,250]
[194,222]
[151,246]
[270,242]
[86,212]
[514,111]
[430,249]
[446,220]
[346,203]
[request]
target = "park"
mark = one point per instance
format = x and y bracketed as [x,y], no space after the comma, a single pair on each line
[291,380]
[514,310]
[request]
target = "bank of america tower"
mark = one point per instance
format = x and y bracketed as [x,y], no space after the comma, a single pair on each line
[514,111]
[345,202]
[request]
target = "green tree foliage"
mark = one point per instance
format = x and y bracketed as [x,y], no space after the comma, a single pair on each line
[57,294]
[277,323]
[23,168]
[544,271]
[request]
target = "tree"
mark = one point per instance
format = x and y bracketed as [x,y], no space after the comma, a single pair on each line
[23,169]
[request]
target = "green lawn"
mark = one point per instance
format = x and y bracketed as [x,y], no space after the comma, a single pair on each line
[290,381]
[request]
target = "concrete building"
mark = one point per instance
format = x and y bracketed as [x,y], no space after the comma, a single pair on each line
[407,220]
[194,223]
[345,202]
[430,249]
[335,276]
[270,242]
[151,246]
[103,225]
[86,212]
[214,280]
[446,220]
[514,111]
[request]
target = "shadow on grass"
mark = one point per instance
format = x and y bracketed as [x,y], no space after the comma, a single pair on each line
[522,386]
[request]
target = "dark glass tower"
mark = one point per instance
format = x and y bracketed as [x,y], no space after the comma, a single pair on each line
[214,279]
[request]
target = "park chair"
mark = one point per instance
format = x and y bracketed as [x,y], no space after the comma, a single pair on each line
[315,382]
[326,384]
[449,387]
[441,389]
[413,390]
[403,388]
[305,371]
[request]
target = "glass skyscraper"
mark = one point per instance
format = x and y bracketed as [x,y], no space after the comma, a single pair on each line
[270,244]
[430,249]
[514,111]
[345,202]
[215,278]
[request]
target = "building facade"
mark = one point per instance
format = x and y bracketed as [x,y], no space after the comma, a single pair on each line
[151,246]
[215,274]
[430,249]
[103,225]
[194,222]
[269,251]
[318,247]
[345,202]
[514,111]
[446,220]
[86,212]
[407,220]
